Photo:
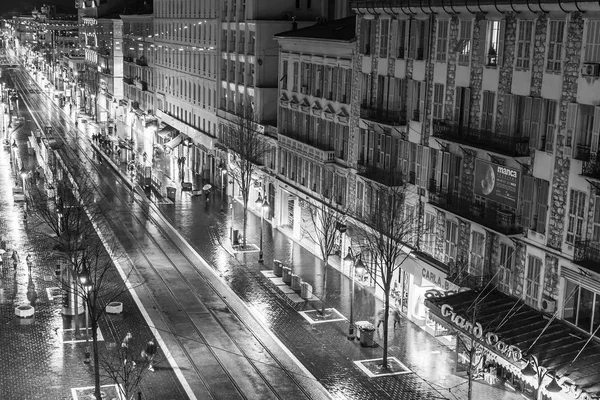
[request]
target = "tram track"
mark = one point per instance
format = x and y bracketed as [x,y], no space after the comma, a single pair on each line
[75,153]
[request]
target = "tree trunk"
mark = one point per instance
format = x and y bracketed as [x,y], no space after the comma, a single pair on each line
[96,358]
[385,329]
[76,308]
[245,223]
[324,291]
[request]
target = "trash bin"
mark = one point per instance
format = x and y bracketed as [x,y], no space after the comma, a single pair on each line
[305,290]
[286,275]
[366,330]
[171,192]
[296,282]
[277,267]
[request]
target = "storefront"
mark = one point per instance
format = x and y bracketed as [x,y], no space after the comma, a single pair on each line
[508,344]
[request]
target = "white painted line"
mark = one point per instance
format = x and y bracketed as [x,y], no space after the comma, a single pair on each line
[391,360]
[305,315]
[117,389]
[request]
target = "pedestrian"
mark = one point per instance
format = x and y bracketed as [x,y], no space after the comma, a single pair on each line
[125,347]
[150,353]
[29,262]
[380,317]
[397,315]
[76,124]
[24,217]
[15,258]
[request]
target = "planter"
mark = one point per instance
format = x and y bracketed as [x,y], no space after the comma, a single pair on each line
[286,275]
[114,308]
[277,267]
[24,311]
[296,282]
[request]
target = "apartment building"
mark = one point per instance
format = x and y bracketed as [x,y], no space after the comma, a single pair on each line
[315,109]
[490,113]
[248,84]
[136,109]
[186,40]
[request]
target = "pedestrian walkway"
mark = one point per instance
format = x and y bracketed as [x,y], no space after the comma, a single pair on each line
[322,348]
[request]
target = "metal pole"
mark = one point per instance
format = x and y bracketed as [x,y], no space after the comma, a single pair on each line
[262,221]
[351,326]
[85,310]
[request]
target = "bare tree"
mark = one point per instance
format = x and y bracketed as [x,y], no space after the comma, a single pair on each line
[75,222]
[126,366]
[249,147]
[325,216]
[384,232]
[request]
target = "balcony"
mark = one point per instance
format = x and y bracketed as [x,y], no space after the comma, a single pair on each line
[388,117]
[587,254]
[583,152]
[504,222]
[386,176]
[127,80]
[142,85]
[490,141]
[127,59]
[466,280]
[591,167]
[141,62]
[324,156]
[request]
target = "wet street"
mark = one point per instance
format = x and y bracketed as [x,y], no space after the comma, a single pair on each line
[188,283]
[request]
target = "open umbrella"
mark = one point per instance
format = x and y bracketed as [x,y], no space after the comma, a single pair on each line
[208,186]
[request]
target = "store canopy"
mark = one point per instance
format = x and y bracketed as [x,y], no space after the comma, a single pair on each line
[514,331]
[166,132]
[176,141]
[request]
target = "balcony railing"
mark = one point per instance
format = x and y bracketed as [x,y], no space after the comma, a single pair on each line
[591,167]
[388,117]
[386,176]
[484,214]
[491,141]
[583,152]
[127,80]
[127,59]
[308,150]
[587,254]
[466,280]
[141,62]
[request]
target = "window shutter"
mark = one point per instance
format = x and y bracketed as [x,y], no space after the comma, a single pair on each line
[549,119]
[595,130]
[483,45]
[425,167]
[466,106]
[445,171]
[536,116]
[542,206]
[425,41]
[457,104]
[525,104]
[371,139]
[572,111]
[410,86]
[526,210]
[501,44]
[421,101]
[507,122]
[412,53]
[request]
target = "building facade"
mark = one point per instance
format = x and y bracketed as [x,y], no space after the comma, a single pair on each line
[490,113]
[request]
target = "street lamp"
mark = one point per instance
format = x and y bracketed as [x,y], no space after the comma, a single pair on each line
[264,205]
[534,369]
[356,268]
[84,279]
[23,176]
[223,173]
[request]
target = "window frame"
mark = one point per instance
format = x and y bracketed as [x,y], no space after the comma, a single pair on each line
[531,290]
[555,45]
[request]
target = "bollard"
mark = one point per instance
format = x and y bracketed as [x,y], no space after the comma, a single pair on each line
[87,355]
[286,275]
[277,268]
[57,270]
[296,283]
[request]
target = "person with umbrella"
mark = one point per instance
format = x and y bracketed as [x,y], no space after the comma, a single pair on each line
[206,189]
[15,258]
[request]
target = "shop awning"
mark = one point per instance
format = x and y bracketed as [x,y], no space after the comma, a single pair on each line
[176,141]
[513,331]
[166,132]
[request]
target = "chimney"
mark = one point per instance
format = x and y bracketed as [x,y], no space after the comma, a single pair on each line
[294,24]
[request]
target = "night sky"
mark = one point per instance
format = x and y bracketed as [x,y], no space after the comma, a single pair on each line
[26,6]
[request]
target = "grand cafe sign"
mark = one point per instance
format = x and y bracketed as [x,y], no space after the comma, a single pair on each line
[474,328]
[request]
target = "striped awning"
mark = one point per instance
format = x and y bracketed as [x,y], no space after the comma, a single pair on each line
[176,141]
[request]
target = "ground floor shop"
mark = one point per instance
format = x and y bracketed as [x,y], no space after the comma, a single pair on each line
[504,342]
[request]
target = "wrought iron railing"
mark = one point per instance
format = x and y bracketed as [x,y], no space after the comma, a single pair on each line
[389,117]
[587,254]
[509,145]
[505,222]
[386,176]
[591,167]
[583,152]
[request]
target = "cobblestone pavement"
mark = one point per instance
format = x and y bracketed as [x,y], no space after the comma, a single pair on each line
[37,362]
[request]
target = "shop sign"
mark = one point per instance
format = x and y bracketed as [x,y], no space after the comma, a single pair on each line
[497,182]
[475,329]
[437,278]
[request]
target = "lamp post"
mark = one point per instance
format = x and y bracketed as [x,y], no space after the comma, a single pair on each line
[534,369]
[356,268]
[264,205]
[84,280]
[223,173]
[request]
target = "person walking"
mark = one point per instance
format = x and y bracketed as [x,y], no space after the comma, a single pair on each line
[125,347]
[15,259]
[29,261]
[150,353]
[380,317]
[397,315]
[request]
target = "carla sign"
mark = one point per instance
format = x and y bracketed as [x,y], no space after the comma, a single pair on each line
[437,279]
[475,329]
[497,182]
